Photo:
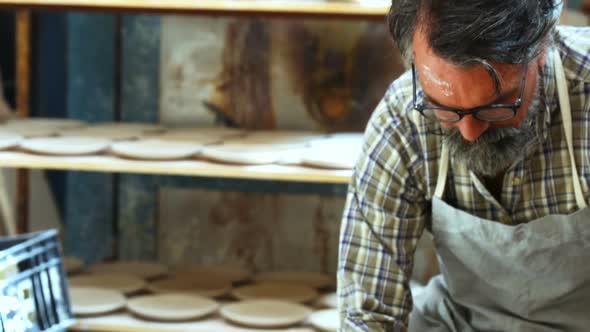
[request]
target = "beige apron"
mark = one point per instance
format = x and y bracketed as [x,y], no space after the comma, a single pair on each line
[529,277]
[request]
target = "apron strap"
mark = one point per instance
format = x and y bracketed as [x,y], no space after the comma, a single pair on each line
[566,114]
[443,169]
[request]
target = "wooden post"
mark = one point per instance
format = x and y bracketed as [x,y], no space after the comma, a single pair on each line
[23,90]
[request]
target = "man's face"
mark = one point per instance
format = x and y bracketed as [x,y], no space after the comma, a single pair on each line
[486,147]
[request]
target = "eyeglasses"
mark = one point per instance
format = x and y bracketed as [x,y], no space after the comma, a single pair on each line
[488,113]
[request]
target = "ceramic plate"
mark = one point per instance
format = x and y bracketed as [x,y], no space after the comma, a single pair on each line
[325,320]
[329,300]
[233,274]
[265,313]
[119,282]
[276,291]
[65,146]
[172,307]
[143,270]
[9,140]
[95,301]
[311,279]
[155,149]
[202,287]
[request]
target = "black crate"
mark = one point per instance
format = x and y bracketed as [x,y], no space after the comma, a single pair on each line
[32,276]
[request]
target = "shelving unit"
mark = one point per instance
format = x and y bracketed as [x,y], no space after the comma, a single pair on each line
[371,9]
[184,167]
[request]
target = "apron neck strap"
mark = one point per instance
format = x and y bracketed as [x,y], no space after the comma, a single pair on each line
[566,114]
[564,105]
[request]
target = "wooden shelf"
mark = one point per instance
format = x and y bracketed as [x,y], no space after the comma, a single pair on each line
[370,9]
[123,322]
[183,167]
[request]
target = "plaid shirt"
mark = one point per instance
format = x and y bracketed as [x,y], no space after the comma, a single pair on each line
[389,197]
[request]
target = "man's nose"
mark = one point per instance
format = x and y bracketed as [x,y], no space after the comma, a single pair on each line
[471,128]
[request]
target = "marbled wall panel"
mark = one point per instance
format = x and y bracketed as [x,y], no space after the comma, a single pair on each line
[320,74]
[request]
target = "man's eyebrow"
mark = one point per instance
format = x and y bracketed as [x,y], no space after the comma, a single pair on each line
[502,96]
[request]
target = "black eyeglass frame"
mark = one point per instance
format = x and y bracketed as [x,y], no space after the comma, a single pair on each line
[461,113]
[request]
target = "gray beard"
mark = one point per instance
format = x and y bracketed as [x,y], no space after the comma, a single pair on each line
[497,148]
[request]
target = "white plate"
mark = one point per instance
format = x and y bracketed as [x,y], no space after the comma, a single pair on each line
[276,291]
[155,149]
[265,313]
[311,279]
[65,146]
[9,140]
[119,282]
[95,301]
[143,270]
[232,274]
[329,300]
[203,287]
[172,307]
[325,320]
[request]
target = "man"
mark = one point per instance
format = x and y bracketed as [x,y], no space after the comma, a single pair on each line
[478,144]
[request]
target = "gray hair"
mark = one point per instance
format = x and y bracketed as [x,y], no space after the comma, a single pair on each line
[469,32]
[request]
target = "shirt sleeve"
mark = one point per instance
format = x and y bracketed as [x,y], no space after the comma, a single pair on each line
[383,220]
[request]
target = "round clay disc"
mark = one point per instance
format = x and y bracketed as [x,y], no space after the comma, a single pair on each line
[155,149]
[329,300]
[172,307]
[311,279]
[126,284]
[65,146]
[202,287]
[143,270]
[325,320]
[95,301]
[265,313]
[9,140]
[73,264]
[276,291]
[232,274]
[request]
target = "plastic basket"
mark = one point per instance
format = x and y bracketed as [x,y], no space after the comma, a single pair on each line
[33,289]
